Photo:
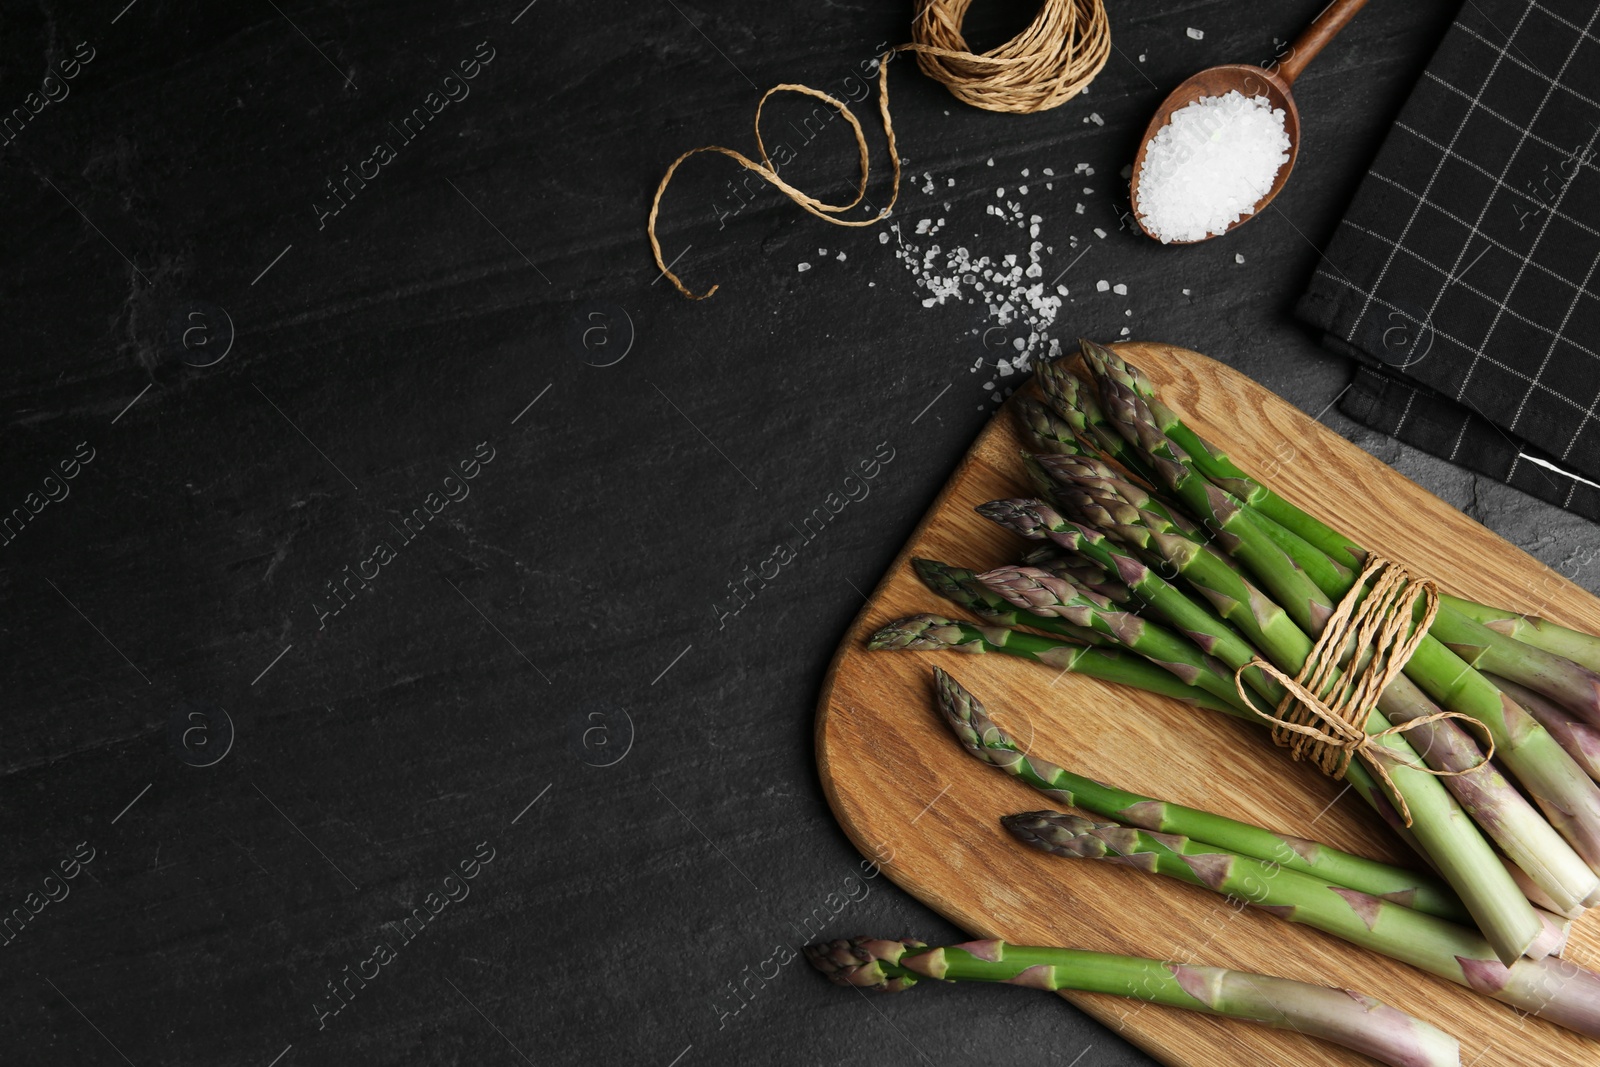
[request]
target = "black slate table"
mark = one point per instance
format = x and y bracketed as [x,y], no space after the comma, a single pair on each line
[374,690]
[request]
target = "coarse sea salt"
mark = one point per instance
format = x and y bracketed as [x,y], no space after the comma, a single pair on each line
[1210,165]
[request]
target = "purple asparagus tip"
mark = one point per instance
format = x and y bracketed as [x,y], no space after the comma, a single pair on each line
[858,961]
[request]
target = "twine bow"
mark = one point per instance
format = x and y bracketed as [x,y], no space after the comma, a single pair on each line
[1046,64]
[1323,715]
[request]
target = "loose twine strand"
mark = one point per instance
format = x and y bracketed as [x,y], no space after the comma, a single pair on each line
[1374,622]
[1045,65]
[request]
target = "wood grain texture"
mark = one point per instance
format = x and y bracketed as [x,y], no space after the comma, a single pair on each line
[905,792]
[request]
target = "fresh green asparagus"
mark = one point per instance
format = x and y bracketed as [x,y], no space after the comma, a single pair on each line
[1341,1016]
[1552,989]
[988,742]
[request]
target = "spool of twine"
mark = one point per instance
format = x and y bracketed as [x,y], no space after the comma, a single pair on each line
[1323,717]
[1045,65]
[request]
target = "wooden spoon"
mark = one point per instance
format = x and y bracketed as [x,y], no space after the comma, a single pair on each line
[1271,81]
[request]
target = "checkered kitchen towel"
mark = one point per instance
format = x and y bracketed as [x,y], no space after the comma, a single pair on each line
[1465,276]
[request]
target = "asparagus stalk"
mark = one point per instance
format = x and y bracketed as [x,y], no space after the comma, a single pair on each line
[1498,808]
[1341,1016]
[1581,740]
[923,633]
[1581,648]
[1569,798]
[988,742]
[1555,990]
[1555,677]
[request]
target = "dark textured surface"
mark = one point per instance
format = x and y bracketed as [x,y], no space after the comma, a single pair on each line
[565,607]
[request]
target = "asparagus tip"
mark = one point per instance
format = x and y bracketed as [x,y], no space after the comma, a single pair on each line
[911,632]
[858,962]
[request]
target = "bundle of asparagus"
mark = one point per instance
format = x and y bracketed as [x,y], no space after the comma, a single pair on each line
[1160,564]
[1343,1016]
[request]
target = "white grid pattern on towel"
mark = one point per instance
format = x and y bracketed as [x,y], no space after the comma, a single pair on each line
[1474,229]
[1544,226]
[1438,168]
[1475,291]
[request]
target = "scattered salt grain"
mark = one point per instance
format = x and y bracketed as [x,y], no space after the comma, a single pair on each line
[1238,258]
[1094,117]
[1000,192]
[822,251]
[802,267]
[883,238]
[1186,292]
[1126,331]
[1048,172]
[1210,165]
[1087,191]
[1024,172]
[1023,189]
[1198,35]
[991,161]
[1098,232]
[841,257]
[1101,286]
[1120,289]
[1142,57]
[1078,209]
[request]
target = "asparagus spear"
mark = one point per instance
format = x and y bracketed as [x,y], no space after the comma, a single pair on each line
[1499,809]
[1583,649]
[1569,798]
[1555,990]
[1581,740]
[923,633]
[986,741]
[1342,1016]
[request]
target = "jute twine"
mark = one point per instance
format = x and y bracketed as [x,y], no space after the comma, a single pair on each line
[1045,65]
[1323,717]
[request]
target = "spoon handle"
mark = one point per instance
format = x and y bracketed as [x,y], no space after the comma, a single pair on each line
[1323,29]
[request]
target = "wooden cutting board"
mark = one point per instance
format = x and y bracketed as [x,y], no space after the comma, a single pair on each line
[907,794]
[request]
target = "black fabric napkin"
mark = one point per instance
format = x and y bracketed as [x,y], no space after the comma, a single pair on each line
[1465,275]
